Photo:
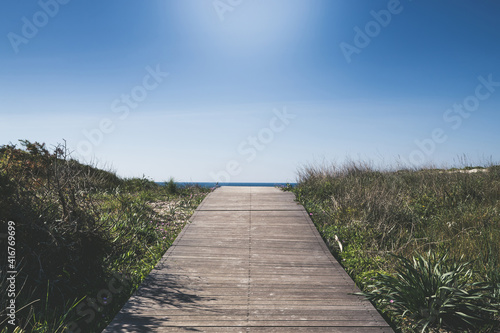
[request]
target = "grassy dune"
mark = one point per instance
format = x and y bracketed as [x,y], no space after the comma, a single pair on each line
[373,220]
[85,238]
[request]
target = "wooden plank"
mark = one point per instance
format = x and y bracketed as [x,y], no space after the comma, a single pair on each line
[251,260]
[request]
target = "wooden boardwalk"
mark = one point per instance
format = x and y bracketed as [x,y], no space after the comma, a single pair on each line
[251,260]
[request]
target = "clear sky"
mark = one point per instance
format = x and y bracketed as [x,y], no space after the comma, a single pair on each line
[251,90]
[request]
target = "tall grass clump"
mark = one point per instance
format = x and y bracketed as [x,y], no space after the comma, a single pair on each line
[367,216]
[79,228]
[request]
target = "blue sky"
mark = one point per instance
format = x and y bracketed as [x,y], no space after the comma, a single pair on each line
[251,90]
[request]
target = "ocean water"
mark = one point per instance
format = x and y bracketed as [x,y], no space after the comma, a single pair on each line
[213,184]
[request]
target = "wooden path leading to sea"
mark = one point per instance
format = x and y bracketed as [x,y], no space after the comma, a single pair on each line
[251,260]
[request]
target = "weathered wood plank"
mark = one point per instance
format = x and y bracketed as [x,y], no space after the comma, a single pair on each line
[249,261]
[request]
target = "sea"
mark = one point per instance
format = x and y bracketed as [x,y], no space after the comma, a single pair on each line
[213,184]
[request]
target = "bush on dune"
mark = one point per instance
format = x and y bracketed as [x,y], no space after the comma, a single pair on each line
[58,229]
[367,215]
[76,227]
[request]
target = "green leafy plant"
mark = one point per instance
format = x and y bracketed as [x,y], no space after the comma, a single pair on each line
[434,292]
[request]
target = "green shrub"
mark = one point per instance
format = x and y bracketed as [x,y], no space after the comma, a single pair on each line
[432,292]
[172,186]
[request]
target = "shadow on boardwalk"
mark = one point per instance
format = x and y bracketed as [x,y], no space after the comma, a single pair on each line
[157,293]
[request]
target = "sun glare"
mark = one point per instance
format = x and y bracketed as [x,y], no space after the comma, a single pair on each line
[245,27]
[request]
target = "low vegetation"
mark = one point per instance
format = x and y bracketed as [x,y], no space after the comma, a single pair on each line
[84,238]
[423,245]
